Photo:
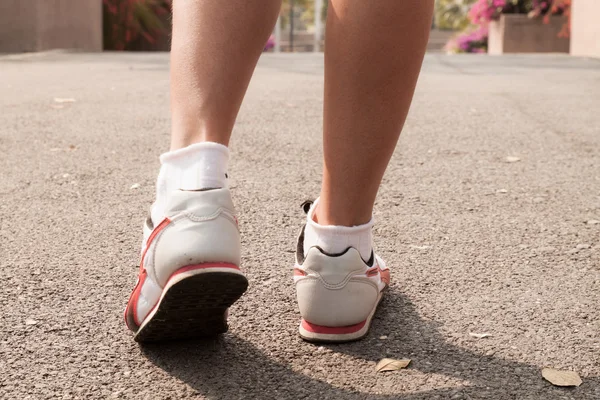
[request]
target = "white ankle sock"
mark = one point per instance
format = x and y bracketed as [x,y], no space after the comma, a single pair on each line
[195,167]
[335,239]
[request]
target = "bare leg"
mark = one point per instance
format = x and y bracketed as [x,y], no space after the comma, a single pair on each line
[216,45]
[373,55]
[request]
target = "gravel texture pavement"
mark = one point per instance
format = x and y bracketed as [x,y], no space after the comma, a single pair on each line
[489,216]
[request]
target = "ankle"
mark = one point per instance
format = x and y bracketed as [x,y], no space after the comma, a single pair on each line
[192,128]
[325,214]
[182,141]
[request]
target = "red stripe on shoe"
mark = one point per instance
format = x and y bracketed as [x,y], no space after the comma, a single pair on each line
[332,330]
[131,310]
[153,236]
[133,300]
[385,276]
[372,272]
[383,273]
[299,272]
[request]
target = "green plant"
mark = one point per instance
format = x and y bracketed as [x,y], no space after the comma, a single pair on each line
[306,8]
[126,21]
[452,14]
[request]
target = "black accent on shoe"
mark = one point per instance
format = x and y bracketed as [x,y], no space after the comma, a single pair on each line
[149,223]
[300,246]
[332,254]
[300,251]
[371,259]
[306,206]
[369,263]
[201,190]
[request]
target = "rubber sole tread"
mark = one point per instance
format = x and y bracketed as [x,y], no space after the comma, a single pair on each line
[194,307]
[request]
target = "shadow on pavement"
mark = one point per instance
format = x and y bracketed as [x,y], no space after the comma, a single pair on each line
[232,368]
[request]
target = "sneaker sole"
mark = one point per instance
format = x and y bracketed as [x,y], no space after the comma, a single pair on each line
[339,334]
[194,304]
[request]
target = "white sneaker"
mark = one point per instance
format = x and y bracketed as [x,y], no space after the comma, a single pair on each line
[337,293]
[189,269]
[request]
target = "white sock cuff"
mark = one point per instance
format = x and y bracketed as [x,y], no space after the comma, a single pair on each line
[335,239]
[192,149]
[197,166]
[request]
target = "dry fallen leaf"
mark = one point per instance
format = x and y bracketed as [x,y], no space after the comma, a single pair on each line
[414,246]
[561,378]
[512,159]
[64,100]
[389,364]
[30,321]
[479,335]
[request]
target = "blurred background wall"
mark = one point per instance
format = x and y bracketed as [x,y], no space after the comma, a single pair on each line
[37,25]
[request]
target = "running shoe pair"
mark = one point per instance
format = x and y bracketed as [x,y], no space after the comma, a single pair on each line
[190,275]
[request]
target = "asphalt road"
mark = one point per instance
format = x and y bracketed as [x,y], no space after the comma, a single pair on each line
[476,243]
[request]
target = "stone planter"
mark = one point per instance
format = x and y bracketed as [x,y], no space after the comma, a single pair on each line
[517,33]
[37,25]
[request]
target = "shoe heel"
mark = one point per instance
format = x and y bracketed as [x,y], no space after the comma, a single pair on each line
[194,303]
[339,334]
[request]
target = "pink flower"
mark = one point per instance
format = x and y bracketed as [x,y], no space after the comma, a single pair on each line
[270,43]
[470,42]
[483,11]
